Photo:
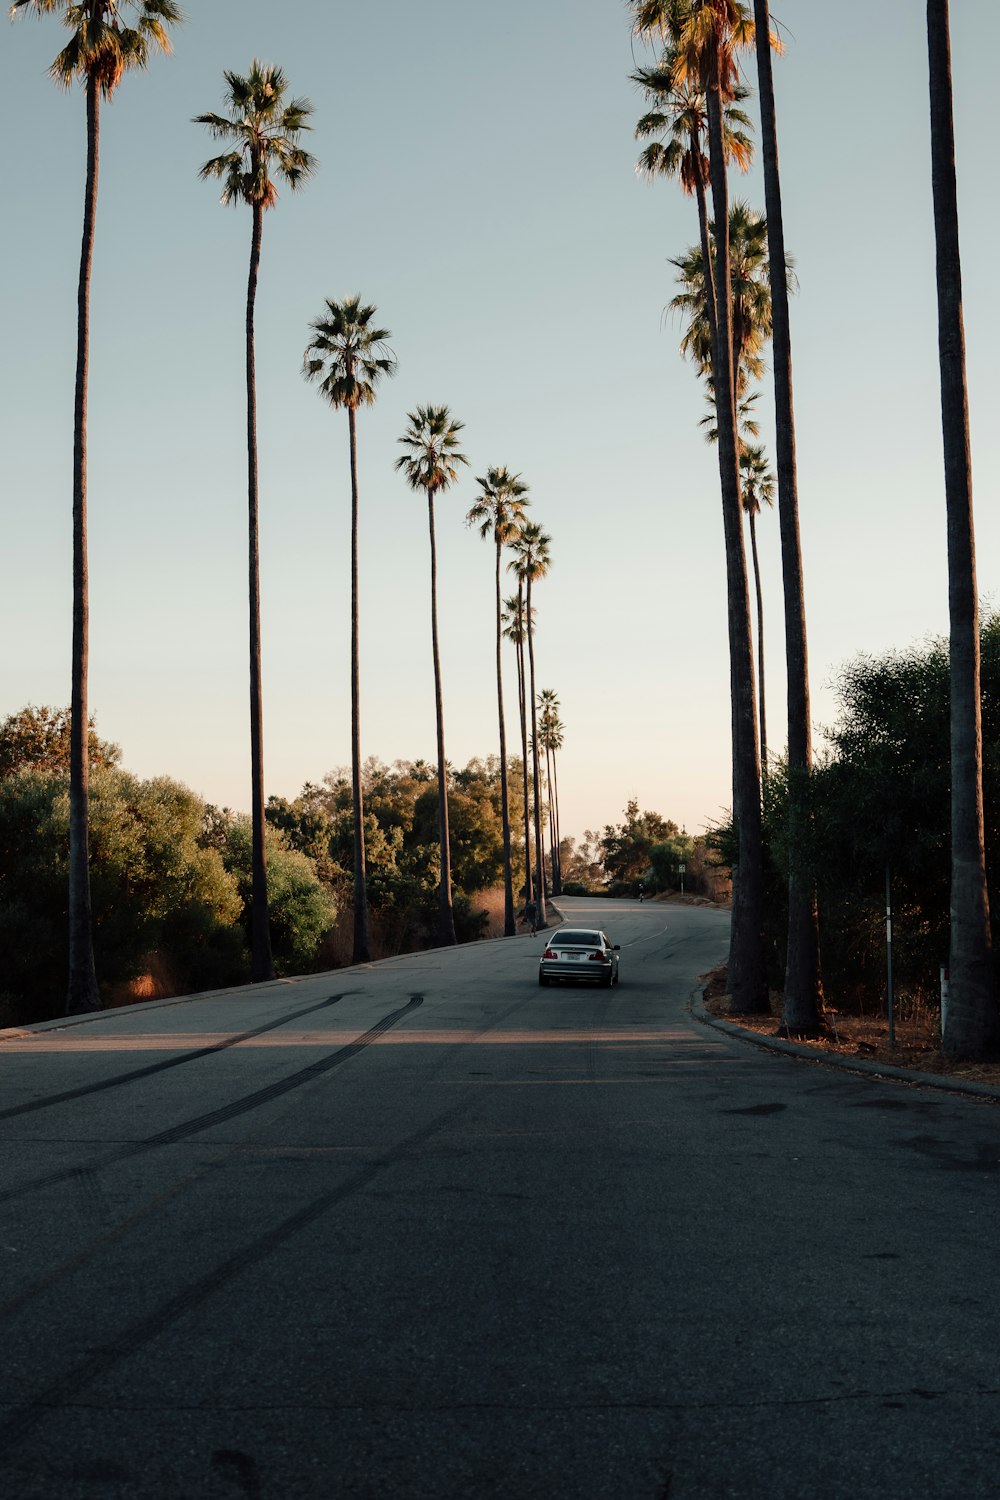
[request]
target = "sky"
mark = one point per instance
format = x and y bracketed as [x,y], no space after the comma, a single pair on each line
[476,182]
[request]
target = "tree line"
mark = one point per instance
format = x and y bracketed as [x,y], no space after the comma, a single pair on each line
[172,875]
[735,298]
[260,129]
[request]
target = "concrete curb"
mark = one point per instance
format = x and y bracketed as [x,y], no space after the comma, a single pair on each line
[884,1072]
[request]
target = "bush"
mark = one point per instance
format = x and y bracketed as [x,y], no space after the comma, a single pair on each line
[153,887]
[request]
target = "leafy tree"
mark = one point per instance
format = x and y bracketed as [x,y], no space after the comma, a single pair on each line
[532,561]
[156,886]
[499,514]
[262,131]
[880,797]
[101,49]
[972,1024]
[350,357]
[625,847]
[581,865]
[40,739]
[302,908]
[432,439]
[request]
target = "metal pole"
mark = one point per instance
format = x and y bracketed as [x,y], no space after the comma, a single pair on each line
[888,955]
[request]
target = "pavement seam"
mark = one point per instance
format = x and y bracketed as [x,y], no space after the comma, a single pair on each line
[884,1072]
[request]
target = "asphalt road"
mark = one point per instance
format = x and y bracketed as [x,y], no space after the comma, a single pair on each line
[425,1230]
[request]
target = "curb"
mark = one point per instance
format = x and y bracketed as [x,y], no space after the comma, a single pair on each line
[65,1023]
[885,1072]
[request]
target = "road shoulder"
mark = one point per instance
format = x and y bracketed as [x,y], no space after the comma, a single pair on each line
[875,1070]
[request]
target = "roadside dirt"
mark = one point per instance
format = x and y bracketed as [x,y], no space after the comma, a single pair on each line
[918,1043]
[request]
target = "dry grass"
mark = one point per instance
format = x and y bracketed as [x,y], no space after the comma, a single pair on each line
[918,1038]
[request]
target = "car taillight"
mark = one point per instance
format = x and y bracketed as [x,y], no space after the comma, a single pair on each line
[598,955]
[549,953]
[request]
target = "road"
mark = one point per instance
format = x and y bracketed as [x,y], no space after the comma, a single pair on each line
[424,1230]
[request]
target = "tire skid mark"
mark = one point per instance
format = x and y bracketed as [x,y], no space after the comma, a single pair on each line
[25,1418]
[161,1067]
[225,1112]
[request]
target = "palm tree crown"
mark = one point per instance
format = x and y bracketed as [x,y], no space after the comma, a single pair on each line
[751,295]
[347,355]
[102,47]
[432,438]
[499,511]
[679,118]
[758,483]
[264,132]
[531,559]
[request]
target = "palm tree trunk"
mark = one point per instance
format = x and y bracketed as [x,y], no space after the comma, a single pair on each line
[706,243]
[362,953]
[82,993]
[539,848]
[760,646]
[971,1026]
[261,963]
[509,924]
[446,911]
[803,988]
[746,977]
[551,813]
[557,873]
[523,703]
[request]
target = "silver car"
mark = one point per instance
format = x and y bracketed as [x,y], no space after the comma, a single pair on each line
[579,953]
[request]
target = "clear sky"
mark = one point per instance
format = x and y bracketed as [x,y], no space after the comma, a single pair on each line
[477,184]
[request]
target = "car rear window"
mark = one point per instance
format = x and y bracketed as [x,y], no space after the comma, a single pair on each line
[569,939]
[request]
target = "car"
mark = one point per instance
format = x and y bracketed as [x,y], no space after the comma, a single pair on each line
[580,953]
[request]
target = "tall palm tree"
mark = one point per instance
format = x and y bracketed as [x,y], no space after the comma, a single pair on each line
[101,49]
[516,630]
[757,489]
[751,302]
[680,121]
[500,513]
[262,132]
[431,465]
[803,986]
[971,1025]
[712,33]
[751,307]
[532,561]
[349,357]
[552,738]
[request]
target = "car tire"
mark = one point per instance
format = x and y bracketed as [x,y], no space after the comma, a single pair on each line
[606,981]
[543,980]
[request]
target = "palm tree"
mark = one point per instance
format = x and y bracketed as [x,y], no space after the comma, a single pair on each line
[709,38]
[499,512]
[803,987]
[262,132]
[971,1025]
[678,117]
[531,562]
[431,466]
[751,302]
[552,739]
[349,357]
[757,489]
[751,329]
[516,630]
[102,48]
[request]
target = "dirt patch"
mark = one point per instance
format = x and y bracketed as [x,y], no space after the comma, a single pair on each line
[918,1041]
